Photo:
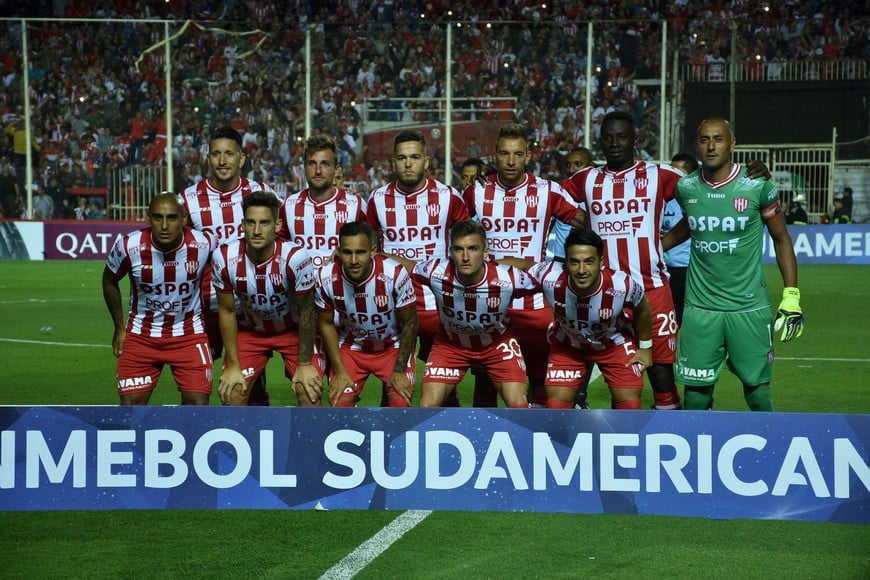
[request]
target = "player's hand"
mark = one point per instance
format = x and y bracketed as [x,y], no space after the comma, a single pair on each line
[789,317]
[755,169]
[232,387]
[403,387]
[307,384]
[118,339]
[337,385]
[641,361]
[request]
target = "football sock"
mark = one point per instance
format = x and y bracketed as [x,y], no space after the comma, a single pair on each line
[668,401]
[519,406]
[759,398]
[698,398]
[633,404]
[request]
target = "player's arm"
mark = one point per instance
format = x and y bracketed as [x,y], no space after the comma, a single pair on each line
[756,169]
[408,264]
[789,317]
[306,380]
[579,220]
[643,332]
[518,263]
[340,380]
[112,296]
[676,235]
[231,375]
[407,342]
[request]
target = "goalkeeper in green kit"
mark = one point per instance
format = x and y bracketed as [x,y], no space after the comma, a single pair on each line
[727,313]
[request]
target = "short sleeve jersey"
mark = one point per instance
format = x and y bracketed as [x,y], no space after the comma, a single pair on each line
[314,225]
[726,220]
[473,316]
[265,290]
[367,312]
[594,322]
[165,293]
[625,208]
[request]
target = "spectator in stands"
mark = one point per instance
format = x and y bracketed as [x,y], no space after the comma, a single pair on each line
[10,189]
[847,202]
[840,216]
[43,205]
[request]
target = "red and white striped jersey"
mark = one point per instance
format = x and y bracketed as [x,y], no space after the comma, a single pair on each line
[368,312]
[220,214]
[266,291]
[165,289]
[594,322]
[416,225]
[473,316]
[518,220]
[314,225]
[625,208]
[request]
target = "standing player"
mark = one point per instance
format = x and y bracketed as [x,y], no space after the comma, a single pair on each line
[677,257]
[473,295]
[727,301]
[413,216]
[274,282]
[313,217]
[214,206]
[165,262]
[625,201]
[376,332]
[517,210]
[577,158]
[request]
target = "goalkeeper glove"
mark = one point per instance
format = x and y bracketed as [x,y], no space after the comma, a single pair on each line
[789,318]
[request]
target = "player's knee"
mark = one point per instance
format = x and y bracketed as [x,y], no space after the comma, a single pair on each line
[697,398]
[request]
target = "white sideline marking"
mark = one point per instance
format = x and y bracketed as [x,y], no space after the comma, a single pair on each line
[49,343]
[47,300]
[821,359]
[354,562]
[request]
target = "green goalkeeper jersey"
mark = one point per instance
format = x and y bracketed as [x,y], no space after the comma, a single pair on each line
[727,224]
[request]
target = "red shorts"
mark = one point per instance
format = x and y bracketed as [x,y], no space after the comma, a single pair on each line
[531,327]
[256,348]
[502,361]
[142,359]
[568,367]
[664,324]
[360,365]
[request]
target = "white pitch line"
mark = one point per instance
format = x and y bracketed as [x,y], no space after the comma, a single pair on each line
[49,343]
[821,359]
[47,300]
[353,563]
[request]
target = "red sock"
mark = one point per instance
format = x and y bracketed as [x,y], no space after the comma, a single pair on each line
[539,397]
[633,405]
[668,401]
[519,406]
[557,404]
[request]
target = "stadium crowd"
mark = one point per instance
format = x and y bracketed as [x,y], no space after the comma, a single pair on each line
[97,90]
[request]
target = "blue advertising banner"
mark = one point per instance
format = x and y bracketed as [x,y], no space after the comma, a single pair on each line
[714,464]
[826,244]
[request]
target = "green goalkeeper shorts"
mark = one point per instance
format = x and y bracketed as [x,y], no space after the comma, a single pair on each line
[708,338]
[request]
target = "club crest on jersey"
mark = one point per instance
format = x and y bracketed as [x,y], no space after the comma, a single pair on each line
[605,313]
[433,209]
[381,300]
[641,183]
[493,301]
[341,217]
[532,201]
[276,278]
[191,267]
[740,204]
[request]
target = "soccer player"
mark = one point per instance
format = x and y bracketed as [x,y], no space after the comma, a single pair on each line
[625,201]
[577,158]
[473,295]
[376,332]
[677,257]
[273,280]
[471,170]
[727,302]
[589,305]
[165,262]
[214,206]
[313,217]
[517,210]
[413,216]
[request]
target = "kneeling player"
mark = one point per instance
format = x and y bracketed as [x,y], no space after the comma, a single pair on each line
[591,326]
[377,320]
[274,281]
